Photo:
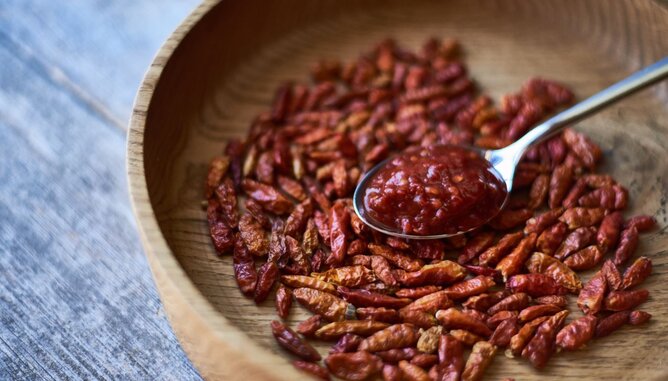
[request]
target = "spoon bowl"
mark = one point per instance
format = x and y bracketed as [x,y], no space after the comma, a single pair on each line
[504,161]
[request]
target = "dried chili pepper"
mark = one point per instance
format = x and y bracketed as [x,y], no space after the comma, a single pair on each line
[434,274]
[479,360]
[469,287]
[382,314]
[521,339]
[539,191]
[452,318]
[430,303]
[494,254]
[533,312]
[551,238]
[496,319]
[639,317]
[397,354]
[592,294]
[337,329]
[394,336]
[412,372]
[312,369]
[283,301]
[339,220]
[560,183]
[322,303]
[268,197]
[611,323]
[309,326]
[514,302]
[557,300]
[628,242]
[356,366]
[541,222]
[504,332]
[347,343]
[381,268]
[535,285]
[400,260]
[636,273]
[420,319]
[544,264]
[347,276]
[244,268]
[266,277]
[365,298]
[642,223]
[625,300]
[541,347]
[416,293]
[483,302]
[289,340]
[577,333]
[475,246]
[512,263]
[584,259]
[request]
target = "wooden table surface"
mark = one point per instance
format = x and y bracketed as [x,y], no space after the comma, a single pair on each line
[76,296]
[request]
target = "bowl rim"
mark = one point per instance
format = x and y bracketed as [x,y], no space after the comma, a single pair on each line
[160,256]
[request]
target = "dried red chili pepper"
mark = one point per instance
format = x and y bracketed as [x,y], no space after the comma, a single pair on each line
[483,302]
[337,329]
[312,369]
[381,268]
[535,285]
[411,372]
[309,326]
[283,301]
[637,273]
[577,333]
[347,343]
[394,336]
[365,298]
[541,222]
[541,347]
[227,202]
[625,300]
[397,259]
[494,254]
[424,360]
[451,358]
[576,240]
[296,222]
[578,217]
[416,293]
[430,303]
[550,239]
[560,183]
[584,259]
[639,317]
[512,263]
[612,276]
[266,277]
[521,339]
[574,194]
[244,268]
[420,319]
[397,354]
[504,332]
[479,360]
[289,340]
[347,276]
[339,222]
[475,246]
[469,287]
[533,312]
[628,242]
[217,169]
[514,302]
[382,314]
[588,152]
[544,264]
[452,318]
[391,373]
[539,191]
[611,323]
[642,223]
[427,249]
[357,366]
[322,303]
[437,273]
[608,231]
[496,319]
[592,294]
[268,197]
[557,300]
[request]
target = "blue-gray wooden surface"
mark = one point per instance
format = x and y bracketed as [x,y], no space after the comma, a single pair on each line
[76,296]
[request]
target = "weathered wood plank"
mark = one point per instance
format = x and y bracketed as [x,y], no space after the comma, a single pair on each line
[97,50]
[76,297]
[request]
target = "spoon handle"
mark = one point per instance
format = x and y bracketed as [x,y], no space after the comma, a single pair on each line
[627,86]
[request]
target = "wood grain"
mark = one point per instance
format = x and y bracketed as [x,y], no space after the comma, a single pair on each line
[220,67]
[76,298]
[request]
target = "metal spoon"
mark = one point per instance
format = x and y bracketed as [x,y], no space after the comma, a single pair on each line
[504,160]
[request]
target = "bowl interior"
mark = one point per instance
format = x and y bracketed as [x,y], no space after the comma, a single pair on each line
[226,70]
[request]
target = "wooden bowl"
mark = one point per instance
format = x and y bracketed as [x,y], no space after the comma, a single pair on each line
[221,66]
